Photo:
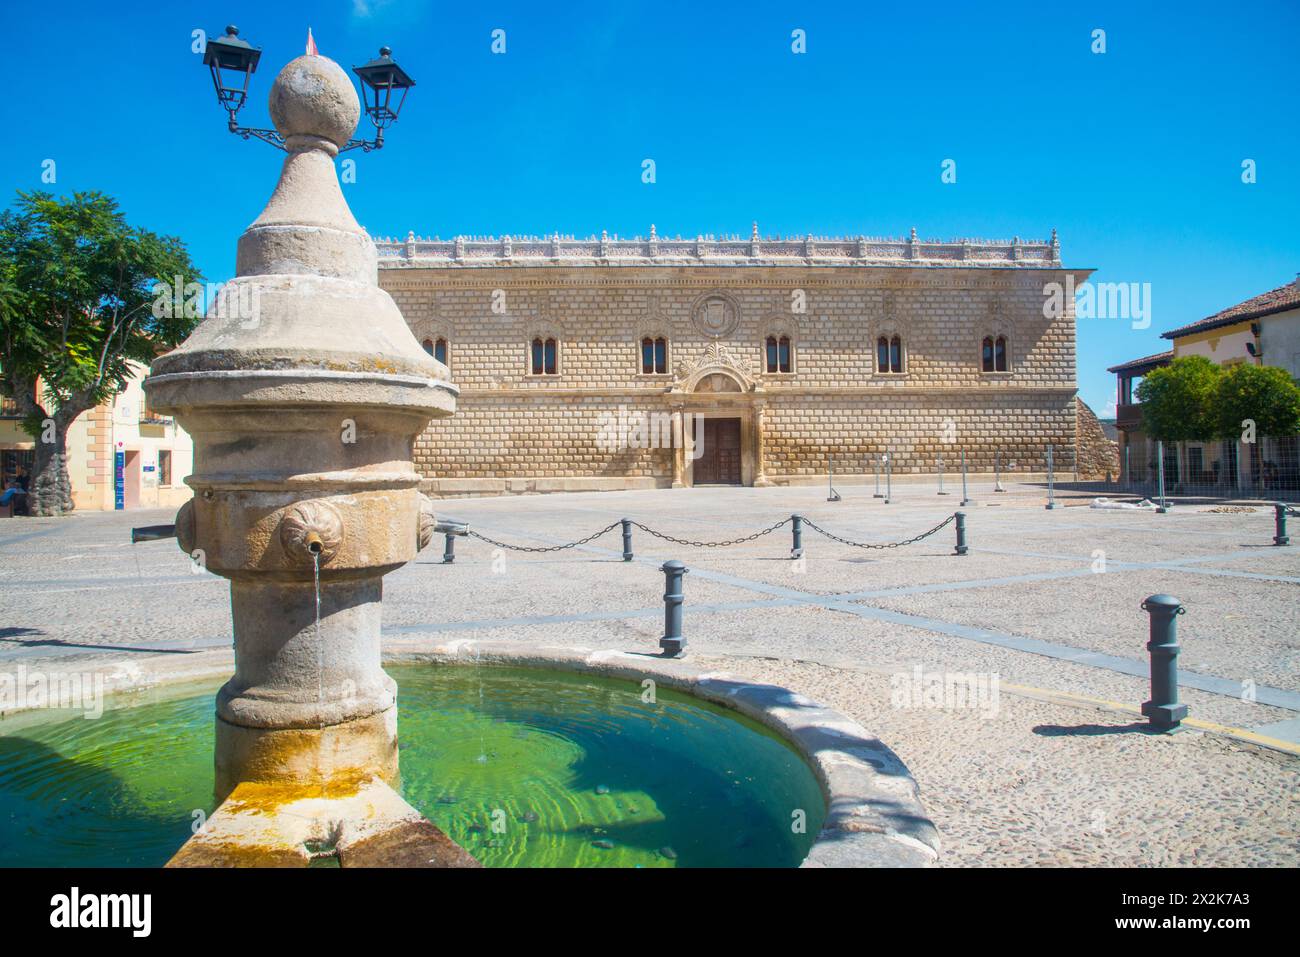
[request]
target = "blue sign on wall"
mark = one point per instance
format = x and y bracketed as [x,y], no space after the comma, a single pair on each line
[119,479]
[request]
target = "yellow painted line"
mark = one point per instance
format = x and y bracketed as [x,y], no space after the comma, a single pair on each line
[1243,734]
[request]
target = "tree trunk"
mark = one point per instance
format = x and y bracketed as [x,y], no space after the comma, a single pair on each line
[50,491]
[51,486]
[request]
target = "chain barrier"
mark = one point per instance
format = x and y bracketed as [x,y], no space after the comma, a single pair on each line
[910,541]
[693,544]
[543,548]
[734,541]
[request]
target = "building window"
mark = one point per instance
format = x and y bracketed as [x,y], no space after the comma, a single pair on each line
[436,348]
[148,415]
[993,354]
[543,356]
[654,356]
[889,354]
[164,467]
[778,354]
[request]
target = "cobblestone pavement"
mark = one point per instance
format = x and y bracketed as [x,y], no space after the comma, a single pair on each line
[1048,601]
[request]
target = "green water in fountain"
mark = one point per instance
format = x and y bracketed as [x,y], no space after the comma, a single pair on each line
[121,790]
[522,767]
[583,772]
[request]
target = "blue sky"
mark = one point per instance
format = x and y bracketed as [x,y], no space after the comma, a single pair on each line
[1134,155]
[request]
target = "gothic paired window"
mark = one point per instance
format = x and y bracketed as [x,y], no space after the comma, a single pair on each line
[436,348]
[891,357]
[654,355]
[544,357]
[889,354]
[779,354]
[993,354]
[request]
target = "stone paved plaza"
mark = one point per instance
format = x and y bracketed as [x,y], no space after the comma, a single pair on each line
[1061,772]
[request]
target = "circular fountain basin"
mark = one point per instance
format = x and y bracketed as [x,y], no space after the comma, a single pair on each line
[522,767]
[528,768]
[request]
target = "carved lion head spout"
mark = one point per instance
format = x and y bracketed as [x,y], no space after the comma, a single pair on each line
[311,530]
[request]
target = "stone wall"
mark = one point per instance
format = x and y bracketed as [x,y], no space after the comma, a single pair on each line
[806,431]
[1098,456]
[518,431]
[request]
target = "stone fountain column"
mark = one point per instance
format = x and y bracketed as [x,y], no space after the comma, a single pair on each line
[304,391]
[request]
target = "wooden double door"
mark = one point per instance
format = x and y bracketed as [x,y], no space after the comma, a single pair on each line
[719,463]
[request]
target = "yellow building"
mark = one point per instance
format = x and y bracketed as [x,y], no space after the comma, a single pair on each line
[1232,336]
[156,454]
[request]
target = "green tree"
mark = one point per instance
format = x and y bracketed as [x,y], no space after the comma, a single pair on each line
[1266,395]
[77,310]
[1179,400]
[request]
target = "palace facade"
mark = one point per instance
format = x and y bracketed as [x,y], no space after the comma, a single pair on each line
[632,363]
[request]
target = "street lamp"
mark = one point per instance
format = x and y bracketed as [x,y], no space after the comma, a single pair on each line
[233,61]
[380,78]
[238,59]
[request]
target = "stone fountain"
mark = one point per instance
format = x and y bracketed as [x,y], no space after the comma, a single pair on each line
[304,391]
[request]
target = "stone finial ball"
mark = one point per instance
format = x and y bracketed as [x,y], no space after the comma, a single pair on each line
[312,96]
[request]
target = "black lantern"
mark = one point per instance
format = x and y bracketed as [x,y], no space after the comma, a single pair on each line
[380,79]
[232,62]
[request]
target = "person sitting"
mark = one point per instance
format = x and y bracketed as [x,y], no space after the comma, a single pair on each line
[13,499]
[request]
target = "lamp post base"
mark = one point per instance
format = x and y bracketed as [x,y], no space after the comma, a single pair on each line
[1164,717]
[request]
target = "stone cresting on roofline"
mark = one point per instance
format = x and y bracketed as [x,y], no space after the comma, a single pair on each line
[729,250]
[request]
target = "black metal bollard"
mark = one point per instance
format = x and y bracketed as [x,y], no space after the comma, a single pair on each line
[1162,506]
[1051,482]
[627,539]
[1163,710]
[1279,520]
[965,497]
[672,643]
[796,536]
[450,528]
[961,533]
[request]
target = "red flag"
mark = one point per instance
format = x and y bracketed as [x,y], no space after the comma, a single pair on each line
[311,45]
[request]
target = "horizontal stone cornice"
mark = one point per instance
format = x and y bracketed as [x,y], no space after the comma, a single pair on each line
[771,392]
